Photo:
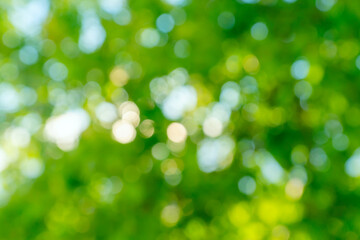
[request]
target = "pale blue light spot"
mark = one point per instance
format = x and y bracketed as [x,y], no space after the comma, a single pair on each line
[180,100]
[247,185]
[58,71]
[300,69]
[149,38]
[92,34]
[270,168]
[112,6]
[29,18]
[165,23]
[9,98]
[352,165]
[28,55]
[215,154]
[259,31]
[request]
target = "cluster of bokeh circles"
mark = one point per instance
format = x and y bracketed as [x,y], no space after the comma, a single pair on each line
[179,119]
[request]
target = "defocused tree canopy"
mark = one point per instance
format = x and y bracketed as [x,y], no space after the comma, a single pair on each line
[179,119]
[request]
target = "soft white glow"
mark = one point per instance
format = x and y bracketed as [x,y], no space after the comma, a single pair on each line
[65,129]
[215,154]
[112,6]
[161,87]
[106,112]
[180,100]
[176,132]
[92,34]
[9,98]
[212,127]
[352,165]
[230,95]
[18,136]
[131,117]
[128,107]
[29,18]
[31,168]
[123,131]
[149,38]
[271,169]
[220,111]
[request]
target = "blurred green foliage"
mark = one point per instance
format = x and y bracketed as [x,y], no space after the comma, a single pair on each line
[264,95]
